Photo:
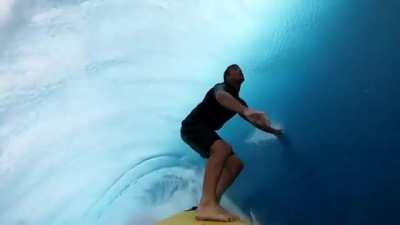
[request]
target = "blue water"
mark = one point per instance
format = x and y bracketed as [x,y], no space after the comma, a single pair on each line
[92,94]
[335,89]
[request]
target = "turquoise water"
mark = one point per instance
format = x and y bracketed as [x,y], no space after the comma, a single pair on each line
[92,94]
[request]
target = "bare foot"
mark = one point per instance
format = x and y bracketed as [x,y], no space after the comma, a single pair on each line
[233,216]
[213,213]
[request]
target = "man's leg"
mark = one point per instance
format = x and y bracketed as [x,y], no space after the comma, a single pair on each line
[233,167]
[209,208]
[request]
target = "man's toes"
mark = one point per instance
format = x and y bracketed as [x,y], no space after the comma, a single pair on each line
[217,217]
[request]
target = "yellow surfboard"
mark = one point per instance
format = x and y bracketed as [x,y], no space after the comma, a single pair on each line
[188,218]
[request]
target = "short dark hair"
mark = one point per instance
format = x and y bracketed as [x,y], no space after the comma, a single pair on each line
[229,68]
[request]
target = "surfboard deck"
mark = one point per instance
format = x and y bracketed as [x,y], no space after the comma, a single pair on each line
[188,218]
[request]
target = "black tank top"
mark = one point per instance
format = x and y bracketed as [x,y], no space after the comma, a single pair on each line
[209,111]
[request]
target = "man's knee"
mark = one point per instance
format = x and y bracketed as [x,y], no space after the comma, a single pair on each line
[221,148]
[234,164]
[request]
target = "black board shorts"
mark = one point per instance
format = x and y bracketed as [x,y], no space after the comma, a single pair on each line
[199,137]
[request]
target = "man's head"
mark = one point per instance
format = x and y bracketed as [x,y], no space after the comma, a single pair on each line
[233,75]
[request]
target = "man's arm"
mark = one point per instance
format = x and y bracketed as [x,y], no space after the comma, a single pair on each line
[265,128]
[242,115]
[229,102]
[262,126]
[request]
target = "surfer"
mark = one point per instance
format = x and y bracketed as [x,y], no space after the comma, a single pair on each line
[198,130]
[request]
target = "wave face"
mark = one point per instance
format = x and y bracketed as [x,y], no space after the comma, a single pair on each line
[91,98]
[92,94]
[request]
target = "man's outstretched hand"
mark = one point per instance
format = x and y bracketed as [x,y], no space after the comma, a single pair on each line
[261,121]
[257,117]
[278,132]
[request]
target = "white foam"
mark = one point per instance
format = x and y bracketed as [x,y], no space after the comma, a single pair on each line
[260,137]
[5,10]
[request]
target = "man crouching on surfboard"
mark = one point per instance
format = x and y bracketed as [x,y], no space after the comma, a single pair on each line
[198,130]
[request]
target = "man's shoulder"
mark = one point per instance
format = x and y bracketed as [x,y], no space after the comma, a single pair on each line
[219,86]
